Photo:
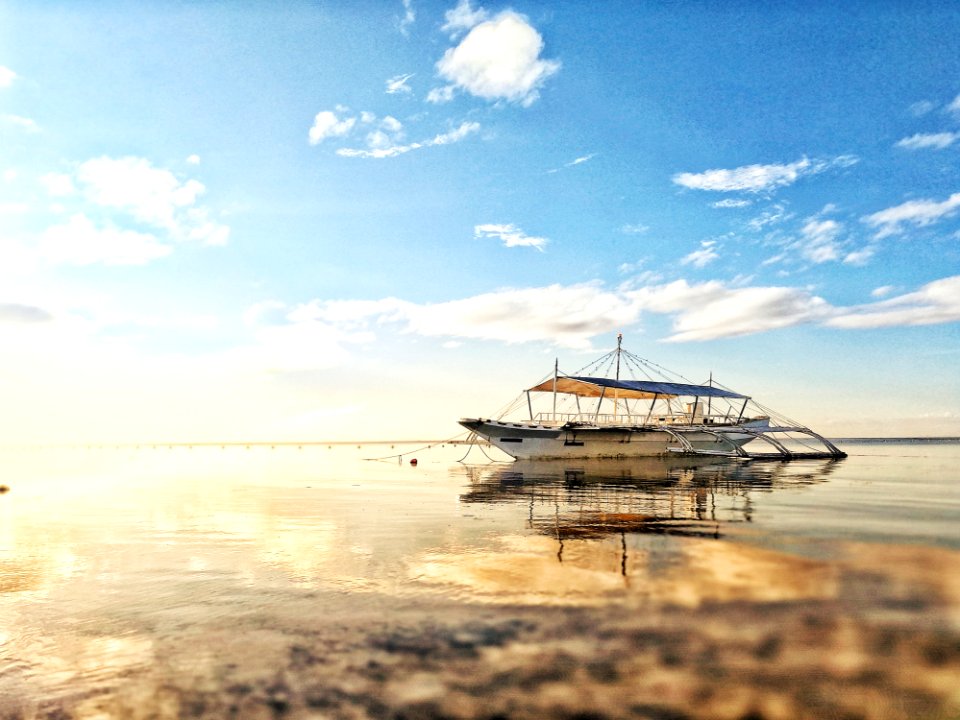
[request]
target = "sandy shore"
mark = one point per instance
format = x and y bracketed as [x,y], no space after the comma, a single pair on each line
[869,654]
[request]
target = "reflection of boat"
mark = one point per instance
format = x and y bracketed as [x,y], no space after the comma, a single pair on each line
[643,417]
[641,532]
[674,495]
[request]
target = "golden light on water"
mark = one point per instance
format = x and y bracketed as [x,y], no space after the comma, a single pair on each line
[530,570]
[176,573]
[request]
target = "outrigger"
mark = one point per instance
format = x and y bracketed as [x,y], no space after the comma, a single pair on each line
[654,415]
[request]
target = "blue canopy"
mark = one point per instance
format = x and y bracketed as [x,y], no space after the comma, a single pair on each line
[662,388]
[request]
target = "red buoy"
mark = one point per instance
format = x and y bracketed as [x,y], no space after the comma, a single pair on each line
[413,462]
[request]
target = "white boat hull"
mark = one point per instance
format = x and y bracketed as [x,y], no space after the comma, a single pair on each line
[528,441]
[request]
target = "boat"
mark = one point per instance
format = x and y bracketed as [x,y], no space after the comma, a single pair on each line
[659,413]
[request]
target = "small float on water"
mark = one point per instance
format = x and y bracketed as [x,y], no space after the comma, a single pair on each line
[593,415]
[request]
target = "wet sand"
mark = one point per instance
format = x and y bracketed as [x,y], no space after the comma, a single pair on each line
[886,646]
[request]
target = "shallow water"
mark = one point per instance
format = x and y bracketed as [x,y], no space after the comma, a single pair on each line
[297,581]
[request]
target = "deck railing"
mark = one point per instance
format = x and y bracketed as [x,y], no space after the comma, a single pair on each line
[548,418]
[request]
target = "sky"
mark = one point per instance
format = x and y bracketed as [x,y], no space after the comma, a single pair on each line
[364,220]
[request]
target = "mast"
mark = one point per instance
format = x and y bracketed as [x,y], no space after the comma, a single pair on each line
[616,393]
[710,399]
[619,343]
[556,366]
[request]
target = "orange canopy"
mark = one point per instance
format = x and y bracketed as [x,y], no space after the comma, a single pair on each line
[575,386]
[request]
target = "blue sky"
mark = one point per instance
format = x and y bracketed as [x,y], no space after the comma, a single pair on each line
[366,219]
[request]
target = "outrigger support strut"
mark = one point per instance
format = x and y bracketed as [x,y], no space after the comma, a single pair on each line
[684,443]
[784,453]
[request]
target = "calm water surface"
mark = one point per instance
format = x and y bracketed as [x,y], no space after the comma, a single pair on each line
[166,582]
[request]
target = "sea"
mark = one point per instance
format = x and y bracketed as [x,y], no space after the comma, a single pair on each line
[441,580]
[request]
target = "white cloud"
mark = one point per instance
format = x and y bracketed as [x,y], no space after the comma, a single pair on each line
[193,160]
[23,314]
[639,276]
[934,303]
[731,203]
[150,194]
[938,141]
[634,229]
[499,59]
[581,160]
[453,136]
[955,105]
[917,213]
[350,314]
[710,310]
[409,17]
[568,316]
[80,242]
[882,291]
[398,84]
[266,312]
[310,336]
[58,184]
[118,192]
[299,342]
[921,108]
[462,17]
[153,196]
[759,178]
[14,208]
[511,235]
[565,315]
[378,139]
[571,315]
[819,240]
[441,94]
[573,163]
[299,346]
[389,132]
[861,256]
[198,227]
[391,124]
[7,76]
[774,215]
[21,123]
[746,311]
[702,257]
[326,124]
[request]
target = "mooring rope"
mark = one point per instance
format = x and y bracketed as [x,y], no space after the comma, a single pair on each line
[454,439]
[473,440]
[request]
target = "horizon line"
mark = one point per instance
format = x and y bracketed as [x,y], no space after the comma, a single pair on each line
[424,442]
